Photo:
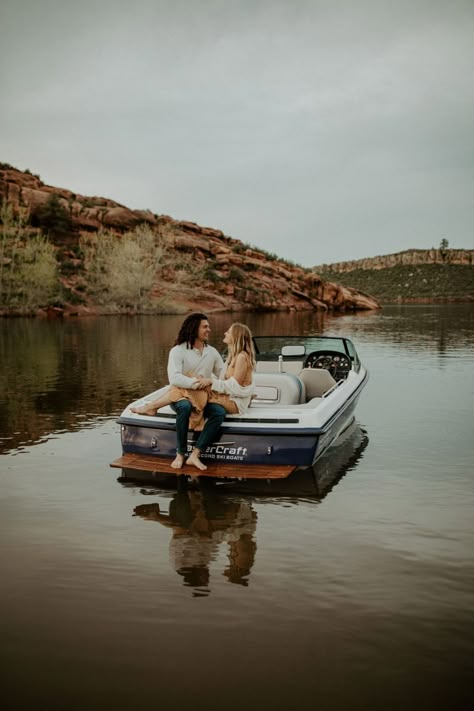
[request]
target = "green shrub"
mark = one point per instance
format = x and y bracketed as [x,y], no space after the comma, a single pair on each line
[88,202]
[236,274]
[270,256]
[210,274]
[28,266]
[68,266]
[120,271]
[71,296]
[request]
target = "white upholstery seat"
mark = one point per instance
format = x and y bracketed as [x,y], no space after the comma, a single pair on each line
[278,389]
[272,366]
[317,381]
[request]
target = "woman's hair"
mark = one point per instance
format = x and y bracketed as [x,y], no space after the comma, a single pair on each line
[241,342]
[189,330]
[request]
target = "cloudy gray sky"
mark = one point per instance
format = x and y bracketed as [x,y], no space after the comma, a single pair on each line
[321,130]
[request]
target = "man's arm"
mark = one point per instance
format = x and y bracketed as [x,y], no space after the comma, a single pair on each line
[175,370]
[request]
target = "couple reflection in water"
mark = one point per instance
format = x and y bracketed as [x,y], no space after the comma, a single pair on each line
[200,525]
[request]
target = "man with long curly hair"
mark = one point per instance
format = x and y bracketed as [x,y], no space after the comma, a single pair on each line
[191,363]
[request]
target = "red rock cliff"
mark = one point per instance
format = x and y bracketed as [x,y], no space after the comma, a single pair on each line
[232,276]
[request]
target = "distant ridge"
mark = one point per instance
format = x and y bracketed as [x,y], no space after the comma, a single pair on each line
[412,276]
[407,257]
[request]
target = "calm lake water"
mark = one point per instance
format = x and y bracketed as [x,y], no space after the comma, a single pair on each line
[353,589]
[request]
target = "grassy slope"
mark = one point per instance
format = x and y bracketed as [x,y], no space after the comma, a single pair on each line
[408,282]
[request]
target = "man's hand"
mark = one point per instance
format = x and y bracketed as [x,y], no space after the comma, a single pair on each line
[202,382]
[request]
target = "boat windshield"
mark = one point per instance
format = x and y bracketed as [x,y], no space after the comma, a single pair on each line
[271,347]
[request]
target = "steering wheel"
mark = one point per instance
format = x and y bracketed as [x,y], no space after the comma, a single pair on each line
[336,363]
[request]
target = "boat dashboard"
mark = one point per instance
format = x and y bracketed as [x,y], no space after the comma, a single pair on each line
[294,354]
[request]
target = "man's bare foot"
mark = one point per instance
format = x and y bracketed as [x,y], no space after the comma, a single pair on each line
[178,462]
[144,410]
[194,461]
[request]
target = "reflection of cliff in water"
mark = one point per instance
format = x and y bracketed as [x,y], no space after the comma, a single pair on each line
[201,523]
[59,376]
[207,515]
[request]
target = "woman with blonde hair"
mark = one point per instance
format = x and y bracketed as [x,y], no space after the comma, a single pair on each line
[233,391]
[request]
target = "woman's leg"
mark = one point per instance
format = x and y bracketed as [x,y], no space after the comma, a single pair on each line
[198,400]
[151,407]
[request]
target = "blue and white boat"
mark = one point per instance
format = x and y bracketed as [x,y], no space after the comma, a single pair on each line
[306,391]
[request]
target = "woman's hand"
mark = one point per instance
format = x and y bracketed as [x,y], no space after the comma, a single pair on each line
[202,382]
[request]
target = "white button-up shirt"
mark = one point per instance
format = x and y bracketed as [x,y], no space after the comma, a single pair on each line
[183,361]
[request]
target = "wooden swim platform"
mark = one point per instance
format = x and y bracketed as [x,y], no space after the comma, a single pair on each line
[162,465]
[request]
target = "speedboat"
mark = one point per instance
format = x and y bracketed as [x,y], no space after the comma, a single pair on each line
[305,392]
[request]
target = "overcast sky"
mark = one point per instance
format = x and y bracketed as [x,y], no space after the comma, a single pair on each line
[321,130]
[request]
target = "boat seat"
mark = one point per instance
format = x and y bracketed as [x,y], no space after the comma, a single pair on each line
[317,381]
[272,366]
[277,389]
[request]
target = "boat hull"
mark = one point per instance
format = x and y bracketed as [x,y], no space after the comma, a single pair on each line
[233,446]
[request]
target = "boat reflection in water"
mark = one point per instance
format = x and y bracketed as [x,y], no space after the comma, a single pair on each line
[203,519]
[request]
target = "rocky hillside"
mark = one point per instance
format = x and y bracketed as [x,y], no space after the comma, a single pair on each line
[229,275]
[410,257]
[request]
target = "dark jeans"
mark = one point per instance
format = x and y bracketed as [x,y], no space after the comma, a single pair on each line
[214,415]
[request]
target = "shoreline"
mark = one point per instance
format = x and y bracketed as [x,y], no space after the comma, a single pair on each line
[88,312]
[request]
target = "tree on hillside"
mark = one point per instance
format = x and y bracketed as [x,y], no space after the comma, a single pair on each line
[52,217]
[443,248]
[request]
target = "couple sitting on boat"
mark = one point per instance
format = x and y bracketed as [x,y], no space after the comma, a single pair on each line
[203,387]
